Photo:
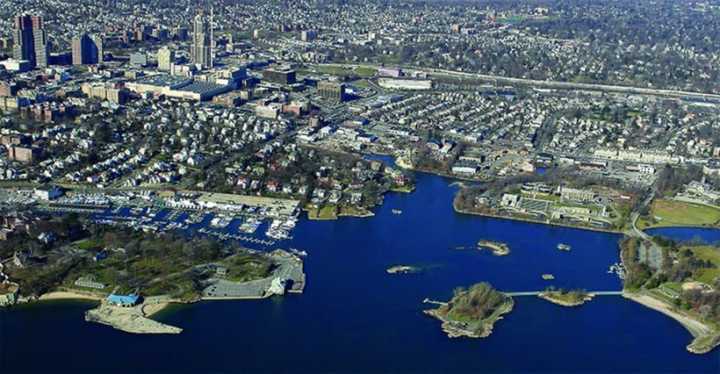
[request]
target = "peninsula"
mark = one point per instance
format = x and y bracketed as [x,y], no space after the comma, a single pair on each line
[134,274]
[678,280]
[472,312]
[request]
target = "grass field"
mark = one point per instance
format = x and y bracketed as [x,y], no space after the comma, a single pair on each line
[364,72]
[362,83]
[711,254]
[327,212]
[89,244]
[665,213]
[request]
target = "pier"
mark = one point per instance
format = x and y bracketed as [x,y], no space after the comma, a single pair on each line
[429,301]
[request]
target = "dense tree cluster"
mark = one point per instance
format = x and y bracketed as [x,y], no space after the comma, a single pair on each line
[476,303]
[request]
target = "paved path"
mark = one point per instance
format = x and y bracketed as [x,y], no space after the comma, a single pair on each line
[535,293]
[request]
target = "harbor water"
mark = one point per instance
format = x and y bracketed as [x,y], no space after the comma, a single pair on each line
[354,317]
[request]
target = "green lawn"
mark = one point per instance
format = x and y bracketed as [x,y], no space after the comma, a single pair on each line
[365,71]
[541,196]
[89,244]
[362,83]
[678,213]
[361,71]
[327,212]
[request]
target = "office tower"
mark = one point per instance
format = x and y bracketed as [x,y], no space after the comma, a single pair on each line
[30,40]
[87,50]
[281,75]
[332,90]
[308,35]
[201,52]
[165,57]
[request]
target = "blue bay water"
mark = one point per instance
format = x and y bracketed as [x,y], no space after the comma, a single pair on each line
[353,317]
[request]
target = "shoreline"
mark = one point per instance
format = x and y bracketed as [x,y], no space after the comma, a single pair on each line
[229,298]
[529,220]
[69,295]
[459,181]
[680,227]
[150,310]
[699,330]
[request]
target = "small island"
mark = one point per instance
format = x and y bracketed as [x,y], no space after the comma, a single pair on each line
[566,298]
[402,269]
[472,312]
[498,248]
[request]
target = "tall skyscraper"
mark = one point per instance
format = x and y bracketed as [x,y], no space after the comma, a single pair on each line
[202,47]
[165,57]
[30,40]
[87,50]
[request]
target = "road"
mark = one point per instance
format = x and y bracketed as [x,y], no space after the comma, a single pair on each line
[636,214]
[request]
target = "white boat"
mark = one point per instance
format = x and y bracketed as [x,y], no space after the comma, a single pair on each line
[219,222]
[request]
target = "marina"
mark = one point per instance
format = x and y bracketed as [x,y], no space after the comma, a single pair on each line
[222,226]
[617,269]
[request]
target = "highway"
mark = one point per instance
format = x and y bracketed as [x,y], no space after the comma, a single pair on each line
[496,79]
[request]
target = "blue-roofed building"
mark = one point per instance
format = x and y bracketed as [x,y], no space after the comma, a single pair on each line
[123,300]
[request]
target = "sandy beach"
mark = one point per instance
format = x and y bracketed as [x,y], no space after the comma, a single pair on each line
[695,327]
[67,295]
[151,309]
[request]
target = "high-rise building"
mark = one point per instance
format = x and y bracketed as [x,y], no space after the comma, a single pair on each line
[165,57]
[281,75]
[308,35]
[30,40]
[87,50]
[5,43]
[201,51]
[332,90]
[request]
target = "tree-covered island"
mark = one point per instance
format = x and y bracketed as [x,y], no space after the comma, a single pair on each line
[472,312]
[566,297]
